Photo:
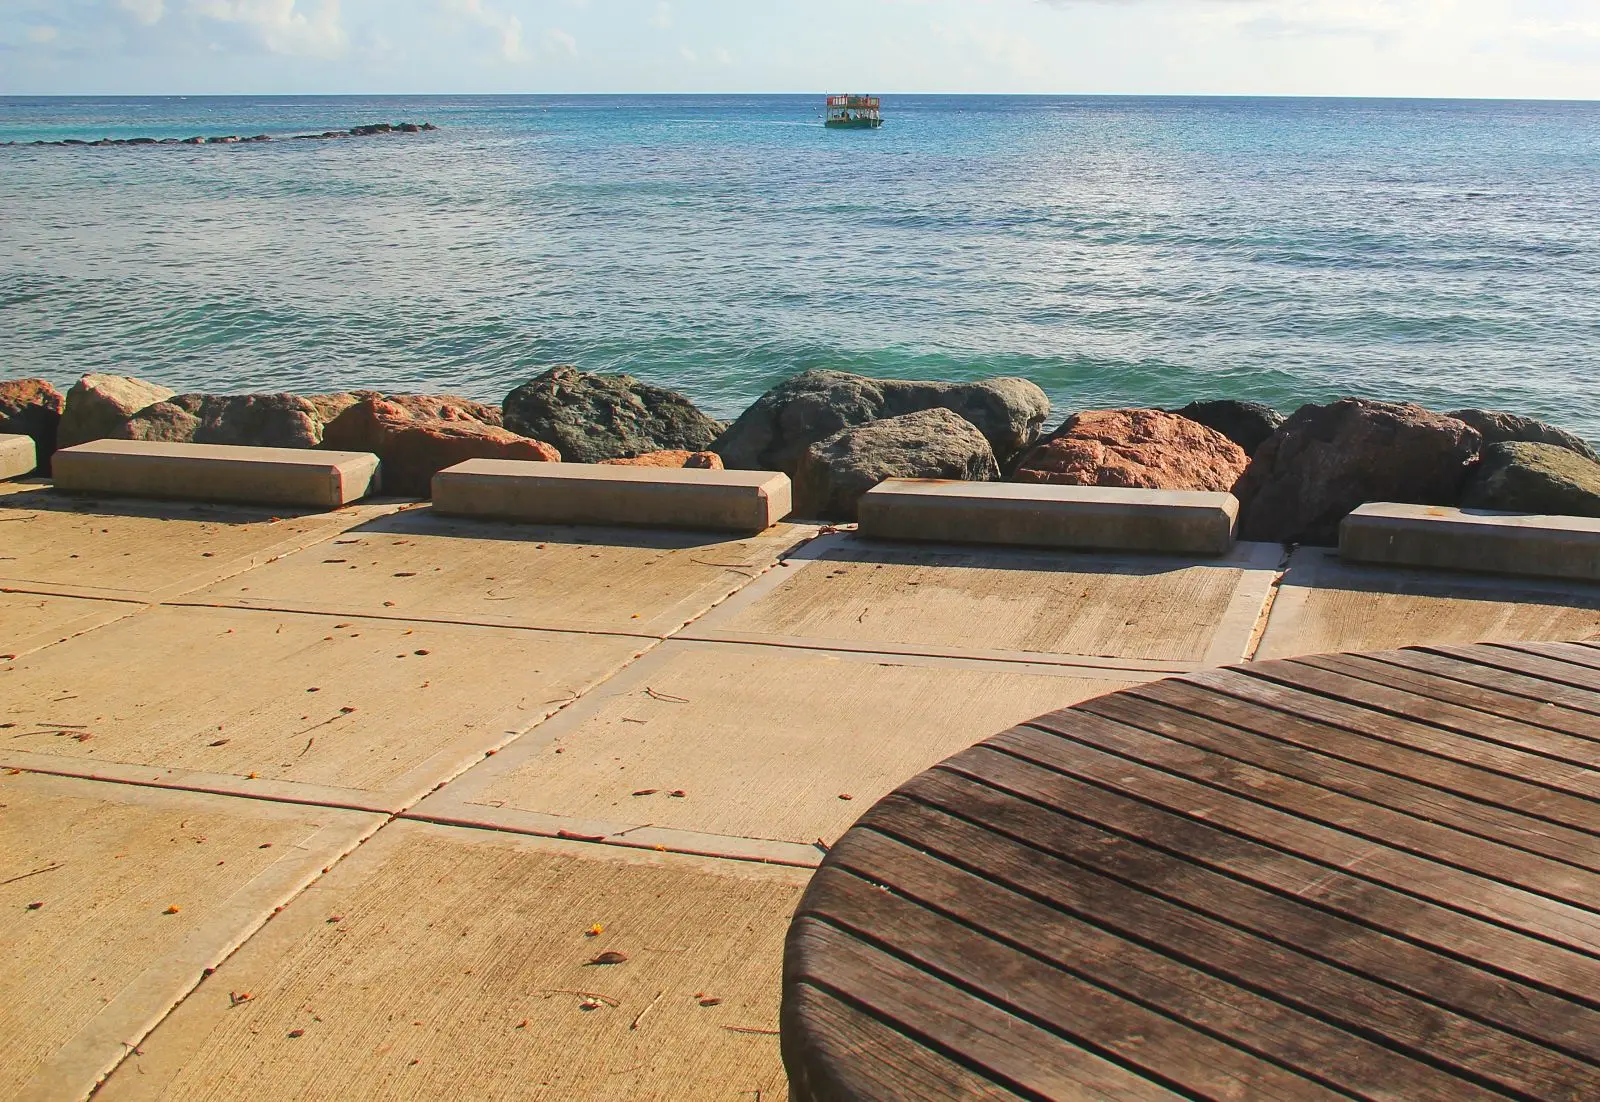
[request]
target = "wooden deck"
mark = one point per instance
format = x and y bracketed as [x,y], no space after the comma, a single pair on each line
[1352,876]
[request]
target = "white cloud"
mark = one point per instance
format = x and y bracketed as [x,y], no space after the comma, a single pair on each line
[559,41]
[508,27]
[42,34]
[661,18]
[148,12]
[688,55]
[282,25]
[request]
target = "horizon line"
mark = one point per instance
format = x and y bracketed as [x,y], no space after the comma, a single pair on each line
[781,95]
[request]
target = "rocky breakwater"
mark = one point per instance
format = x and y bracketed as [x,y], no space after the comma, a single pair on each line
[369,130]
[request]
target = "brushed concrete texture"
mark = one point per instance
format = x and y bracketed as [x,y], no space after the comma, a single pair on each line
[382,709]
[1474,540]
[763,741]
[99,962]
[138,550]
[448,963]
[576,493]
[424,566]
[844,591]
[18,456]
[1325,605]
[216,472]
[1108,518]
[29,621]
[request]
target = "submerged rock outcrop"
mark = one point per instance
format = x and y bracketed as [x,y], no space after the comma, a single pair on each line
[367,130]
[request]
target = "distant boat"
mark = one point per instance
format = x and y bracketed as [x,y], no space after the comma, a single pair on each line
[853,113]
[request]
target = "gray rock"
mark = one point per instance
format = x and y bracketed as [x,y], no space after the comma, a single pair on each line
[1328,460]
[774,433]
[163,422]
[97,405]
[32,407]
[1525,477]
[590,418]
[1499,427]
[934,443]
[1248,424]
[243,420]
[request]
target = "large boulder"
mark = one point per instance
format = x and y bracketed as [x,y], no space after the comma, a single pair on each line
[97,405]
[32,407]
[167,422]
[1499,427]
[773,434]
[933,443]
[244,420]
[595,417]
[414,449]
[445,406]
[704,461]
[1248,424]
[1143,448]
[1328,460]
[1522,477]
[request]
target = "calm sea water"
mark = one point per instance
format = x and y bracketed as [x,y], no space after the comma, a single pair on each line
[1116,251]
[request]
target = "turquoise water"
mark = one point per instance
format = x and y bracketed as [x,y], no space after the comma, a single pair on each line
[1116,251]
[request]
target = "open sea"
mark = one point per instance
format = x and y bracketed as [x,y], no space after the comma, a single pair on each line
[1117,251]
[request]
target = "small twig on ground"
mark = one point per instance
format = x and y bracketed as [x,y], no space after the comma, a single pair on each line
[751,1029]
[646,1010]
[607,999]
[739,568]
[668,697]
[307,750]
[35,872]
[64,726]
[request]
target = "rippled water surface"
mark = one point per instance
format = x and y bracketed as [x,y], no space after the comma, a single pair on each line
[1116,251]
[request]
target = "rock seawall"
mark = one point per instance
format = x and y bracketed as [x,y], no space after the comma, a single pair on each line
[369,130]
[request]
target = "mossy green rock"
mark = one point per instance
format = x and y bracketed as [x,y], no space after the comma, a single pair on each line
[1534,478]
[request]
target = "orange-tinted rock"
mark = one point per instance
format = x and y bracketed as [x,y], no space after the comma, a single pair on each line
[414,449]
[32,407]
[705,461]
[1138,448]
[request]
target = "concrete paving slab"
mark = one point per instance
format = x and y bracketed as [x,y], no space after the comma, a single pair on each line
[364,713]
[420,565]
[93,968]
[1164,614]
[51,543]
[1325,605]
[580,493]
[18,456]
[1472,539]
[29,621]
[295,477]
[762,742]
[447,963]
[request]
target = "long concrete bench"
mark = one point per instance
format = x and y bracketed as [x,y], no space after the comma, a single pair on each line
[1031,515]
[1475,540]
[575,493]
[18,456]
[216,472]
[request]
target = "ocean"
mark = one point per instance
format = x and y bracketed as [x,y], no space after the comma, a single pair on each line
[1117,251]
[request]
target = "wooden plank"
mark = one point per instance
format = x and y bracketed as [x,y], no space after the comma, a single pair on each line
[1475,675]
[1049,993]
[1416,708]
[1314,803]
[1387,790]
[1295,1038]
[831,1051]
[1013,1052]
[1559,776]
[1120,803]
[1168,900]
[1502,705]
[1495,701]
[1523,660]
[1464,780]
[1575,654]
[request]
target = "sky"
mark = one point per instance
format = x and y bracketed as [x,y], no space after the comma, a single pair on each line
[1428,48]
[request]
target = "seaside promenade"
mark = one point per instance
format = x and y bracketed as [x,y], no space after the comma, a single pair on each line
[379,804]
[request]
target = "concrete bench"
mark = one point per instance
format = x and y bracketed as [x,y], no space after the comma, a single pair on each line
[1032,515]
[576,493]
[18,456]
[1477,540]
[216,472]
